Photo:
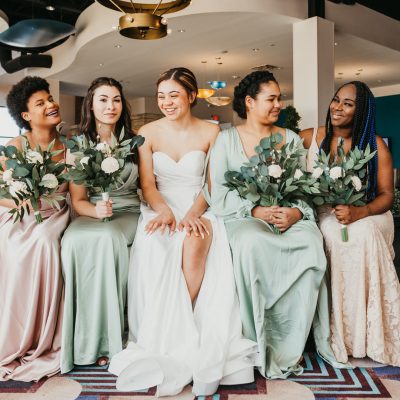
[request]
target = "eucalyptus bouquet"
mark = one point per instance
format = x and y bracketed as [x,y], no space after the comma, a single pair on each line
[342,178]
[31,175]
[273,176]
[99,165]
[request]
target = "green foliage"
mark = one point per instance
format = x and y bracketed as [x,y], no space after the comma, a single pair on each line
[35,178]
[273,176]
[89,168]
[292,119]
[342,178]
[396,203]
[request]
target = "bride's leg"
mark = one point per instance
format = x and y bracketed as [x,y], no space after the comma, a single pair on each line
[195,251]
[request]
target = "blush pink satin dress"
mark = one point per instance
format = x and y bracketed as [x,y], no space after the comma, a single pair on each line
[31,294]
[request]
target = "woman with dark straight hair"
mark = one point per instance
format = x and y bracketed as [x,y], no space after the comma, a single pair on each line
[95,254]
[365,288]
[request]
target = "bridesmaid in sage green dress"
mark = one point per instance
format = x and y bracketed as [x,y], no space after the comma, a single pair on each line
[95,254]
[279,278]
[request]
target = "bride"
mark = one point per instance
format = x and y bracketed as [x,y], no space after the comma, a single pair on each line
[184,321]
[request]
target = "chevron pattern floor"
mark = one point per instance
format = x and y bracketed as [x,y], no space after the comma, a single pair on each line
[319,381]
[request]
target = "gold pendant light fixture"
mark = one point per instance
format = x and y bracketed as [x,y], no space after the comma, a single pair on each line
[144,21]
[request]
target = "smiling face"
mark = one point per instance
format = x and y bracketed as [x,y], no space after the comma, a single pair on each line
[107,105]
[343,107]
[267,105]
[42,110]
[173,100]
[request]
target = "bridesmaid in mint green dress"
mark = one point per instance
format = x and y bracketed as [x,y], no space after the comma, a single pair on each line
[280,278]
[94,253]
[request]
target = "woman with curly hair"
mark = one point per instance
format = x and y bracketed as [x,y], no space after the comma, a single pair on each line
[95,254]
[279,278]
[365,288]
[30,266]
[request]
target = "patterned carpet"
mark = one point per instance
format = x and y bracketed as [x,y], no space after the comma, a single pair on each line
[319,381]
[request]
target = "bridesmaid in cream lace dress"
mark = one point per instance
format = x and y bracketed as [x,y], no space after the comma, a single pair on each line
[30,265]
[365,287]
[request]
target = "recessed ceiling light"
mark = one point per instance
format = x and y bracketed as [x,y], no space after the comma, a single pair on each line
[256,49]
[101,64]
[181,30]
[117,46]
[336,43]
[235,76]
[169,31]
[50,8]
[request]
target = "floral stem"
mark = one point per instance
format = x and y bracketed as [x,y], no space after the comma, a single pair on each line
[106,196]
[344,233]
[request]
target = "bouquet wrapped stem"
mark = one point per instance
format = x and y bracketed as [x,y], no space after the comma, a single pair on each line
[344,233]
[106,197]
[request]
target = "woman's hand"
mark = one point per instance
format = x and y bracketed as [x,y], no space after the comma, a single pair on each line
[346,214]
[164,218]
[284,217]
[192,224]
[264,213]
[103,209]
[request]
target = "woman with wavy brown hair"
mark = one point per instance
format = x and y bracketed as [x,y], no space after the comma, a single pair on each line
[95,254]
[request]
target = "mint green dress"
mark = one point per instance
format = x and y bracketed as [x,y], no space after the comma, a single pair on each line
[95,258]
[280,278]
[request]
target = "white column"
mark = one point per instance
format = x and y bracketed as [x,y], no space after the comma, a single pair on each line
[313,69]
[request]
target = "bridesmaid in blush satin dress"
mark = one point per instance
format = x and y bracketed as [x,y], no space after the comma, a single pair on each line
[30,266]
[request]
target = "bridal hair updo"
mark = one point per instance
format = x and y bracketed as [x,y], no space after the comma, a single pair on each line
[184,77]
[363,130]
[18,97]
[250,85]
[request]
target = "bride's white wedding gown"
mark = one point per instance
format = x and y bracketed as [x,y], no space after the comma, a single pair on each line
[170,343]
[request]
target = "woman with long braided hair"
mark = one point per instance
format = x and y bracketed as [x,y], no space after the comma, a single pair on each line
[365,319]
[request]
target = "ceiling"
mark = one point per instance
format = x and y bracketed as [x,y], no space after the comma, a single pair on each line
[242,40]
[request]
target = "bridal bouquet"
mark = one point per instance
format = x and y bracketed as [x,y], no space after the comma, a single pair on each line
[99,165]
[31,176]
[273,177]
[342,178]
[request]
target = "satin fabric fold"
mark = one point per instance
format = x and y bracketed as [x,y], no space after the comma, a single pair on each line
[31,294]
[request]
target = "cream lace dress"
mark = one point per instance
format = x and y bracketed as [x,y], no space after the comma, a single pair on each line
[365,319]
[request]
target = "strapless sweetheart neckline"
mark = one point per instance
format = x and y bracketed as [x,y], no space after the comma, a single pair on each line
[183,157]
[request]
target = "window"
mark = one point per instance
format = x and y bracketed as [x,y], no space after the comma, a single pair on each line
[8,127]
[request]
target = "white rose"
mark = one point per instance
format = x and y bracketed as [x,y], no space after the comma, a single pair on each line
[335,173]
[298,174]
[275,171]
[18,187]
[110,165]
[7,175]
[355,180]
[34,157]
[318,171]
[103,147]
[49,181]
[84,160]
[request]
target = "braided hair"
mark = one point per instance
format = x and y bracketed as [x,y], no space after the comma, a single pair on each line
[250,85]
[363,131]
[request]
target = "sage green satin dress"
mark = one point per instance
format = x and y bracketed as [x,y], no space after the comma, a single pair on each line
[280,278]
[95,258]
